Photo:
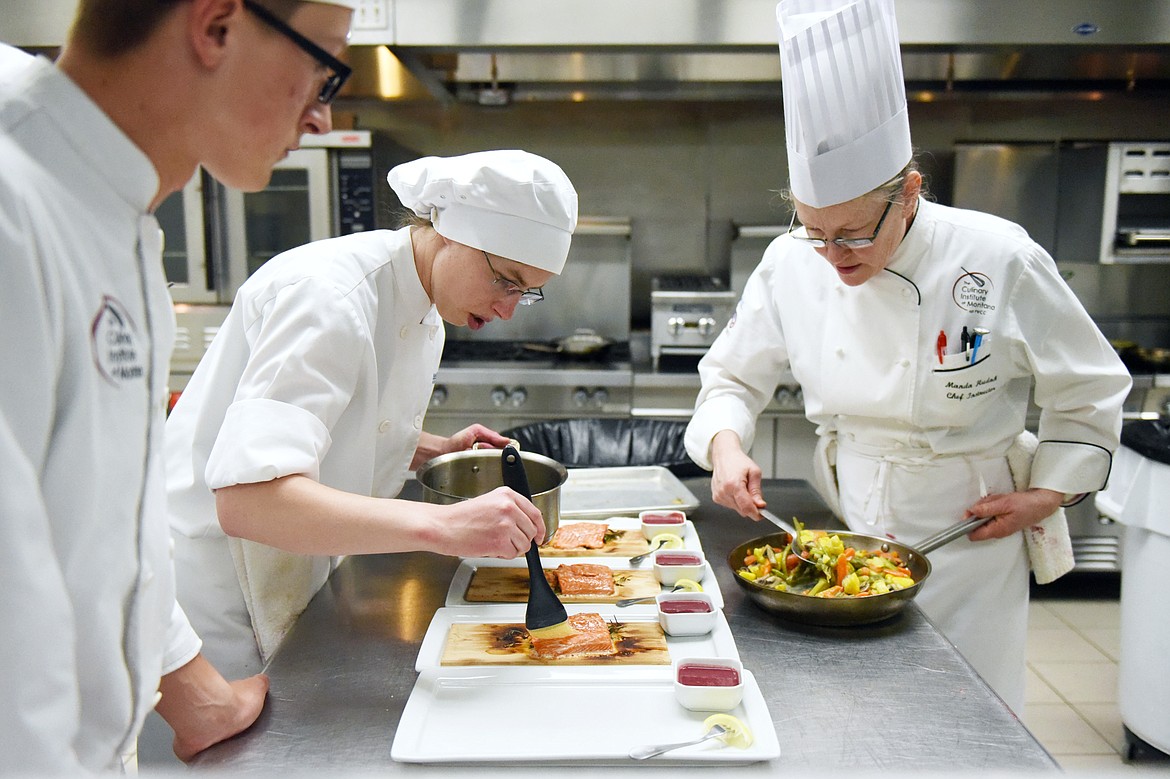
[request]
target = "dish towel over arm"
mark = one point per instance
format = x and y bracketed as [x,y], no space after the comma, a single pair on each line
[1048,542]
[277,587]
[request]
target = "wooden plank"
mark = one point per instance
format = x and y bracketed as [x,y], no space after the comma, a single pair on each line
[494,584]
[625,543]
[637,643]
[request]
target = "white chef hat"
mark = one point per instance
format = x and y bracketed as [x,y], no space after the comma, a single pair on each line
[511,203]
[350,4]
[845,117]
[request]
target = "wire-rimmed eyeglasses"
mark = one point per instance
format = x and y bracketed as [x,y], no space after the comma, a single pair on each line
[845,243]
[527,296]
[338,70]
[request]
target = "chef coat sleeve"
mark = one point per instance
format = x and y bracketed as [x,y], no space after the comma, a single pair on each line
[307,348]
[1080,382]
[740,371]
[182,642]
[41,710]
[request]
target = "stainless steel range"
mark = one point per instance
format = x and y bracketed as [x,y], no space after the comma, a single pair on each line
[502,384]
[687,313]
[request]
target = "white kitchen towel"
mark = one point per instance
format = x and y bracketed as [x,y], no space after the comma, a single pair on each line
[277,587]
[1049,545]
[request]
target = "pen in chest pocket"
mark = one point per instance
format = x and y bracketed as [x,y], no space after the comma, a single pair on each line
[941,345]
[976,341]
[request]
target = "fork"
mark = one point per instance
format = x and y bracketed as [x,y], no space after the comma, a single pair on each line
[631,601]
[641,753]
[637,559]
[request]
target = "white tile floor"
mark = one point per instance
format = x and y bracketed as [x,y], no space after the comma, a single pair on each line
[1071,701]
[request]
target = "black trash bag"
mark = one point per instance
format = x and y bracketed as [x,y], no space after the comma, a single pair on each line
[1148,437]
[604,442]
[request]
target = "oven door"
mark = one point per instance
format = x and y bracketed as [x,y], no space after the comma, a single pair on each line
[185,254]
[294,209]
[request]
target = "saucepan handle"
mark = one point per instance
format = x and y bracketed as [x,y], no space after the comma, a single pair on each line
[484,445]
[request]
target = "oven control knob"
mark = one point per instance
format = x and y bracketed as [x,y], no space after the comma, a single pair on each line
[518,396]
[784,396]
[706,325]
[674,324]
[580,397]
[439,395]
[798,397]
[499,396]
[601,394]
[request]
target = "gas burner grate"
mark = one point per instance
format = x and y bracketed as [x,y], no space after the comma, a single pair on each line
[467,350]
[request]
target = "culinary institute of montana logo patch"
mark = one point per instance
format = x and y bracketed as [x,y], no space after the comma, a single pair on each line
[973,292]
[114,340]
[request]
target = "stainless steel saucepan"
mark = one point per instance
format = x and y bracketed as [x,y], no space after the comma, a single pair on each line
[457,476]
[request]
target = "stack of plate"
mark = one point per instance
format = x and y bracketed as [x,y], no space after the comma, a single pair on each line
[506,707]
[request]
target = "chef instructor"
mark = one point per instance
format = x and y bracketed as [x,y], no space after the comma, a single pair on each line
[299,426]
[872,302]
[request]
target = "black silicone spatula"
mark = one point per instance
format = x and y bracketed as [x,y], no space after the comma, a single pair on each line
[546,616]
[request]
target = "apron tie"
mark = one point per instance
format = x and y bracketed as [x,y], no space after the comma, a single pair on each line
[875,506]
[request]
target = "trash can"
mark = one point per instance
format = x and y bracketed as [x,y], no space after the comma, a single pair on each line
[594,442]
[1138,497]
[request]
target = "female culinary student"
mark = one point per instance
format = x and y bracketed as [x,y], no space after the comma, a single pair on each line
[300,425]
[857,301]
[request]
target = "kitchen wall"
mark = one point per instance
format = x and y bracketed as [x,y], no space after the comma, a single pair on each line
[683,173]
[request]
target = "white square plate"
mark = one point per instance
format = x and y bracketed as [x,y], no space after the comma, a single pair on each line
[565,715]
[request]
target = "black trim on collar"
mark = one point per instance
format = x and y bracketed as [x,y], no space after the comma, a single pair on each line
[908,281]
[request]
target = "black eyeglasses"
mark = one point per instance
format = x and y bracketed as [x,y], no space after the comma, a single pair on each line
[527,296]
[846,243]
[339,71]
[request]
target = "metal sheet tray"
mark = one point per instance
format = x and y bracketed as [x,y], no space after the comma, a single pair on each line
[623,491]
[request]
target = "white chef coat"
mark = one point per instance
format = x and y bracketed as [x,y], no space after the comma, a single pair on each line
[916,442]
[87,333]
[324,367]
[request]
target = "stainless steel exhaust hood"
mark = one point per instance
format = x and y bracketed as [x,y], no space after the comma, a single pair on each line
[492,51]
[501,50]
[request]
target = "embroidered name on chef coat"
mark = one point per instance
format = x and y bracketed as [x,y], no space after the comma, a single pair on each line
[115,343]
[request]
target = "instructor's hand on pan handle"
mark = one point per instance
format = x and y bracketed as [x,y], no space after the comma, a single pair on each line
[735,479]
[1012,512]
[501,523]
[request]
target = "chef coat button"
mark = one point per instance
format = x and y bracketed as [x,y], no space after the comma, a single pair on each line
[905,363]
[840,352]
[403,332]
[384,425]
[418,423]
[432,334]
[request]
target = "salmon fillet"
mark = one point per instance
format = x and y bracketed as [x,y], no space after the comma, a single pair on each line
[580,534]
[585,579]
[592,638]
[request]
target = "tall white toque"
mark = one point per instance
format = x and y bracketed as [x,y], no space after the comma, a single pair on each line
[350,4]
[845,118]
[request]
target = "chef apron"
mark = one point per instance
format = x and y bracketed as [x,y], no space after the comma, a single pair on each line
[977,592]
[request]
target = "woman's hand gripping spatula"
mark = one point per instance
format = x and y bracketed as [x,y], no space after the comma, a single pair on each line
[546,616]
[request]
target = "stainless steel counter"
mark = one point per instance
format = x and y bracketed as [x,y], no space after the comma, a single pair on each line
[895,696]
